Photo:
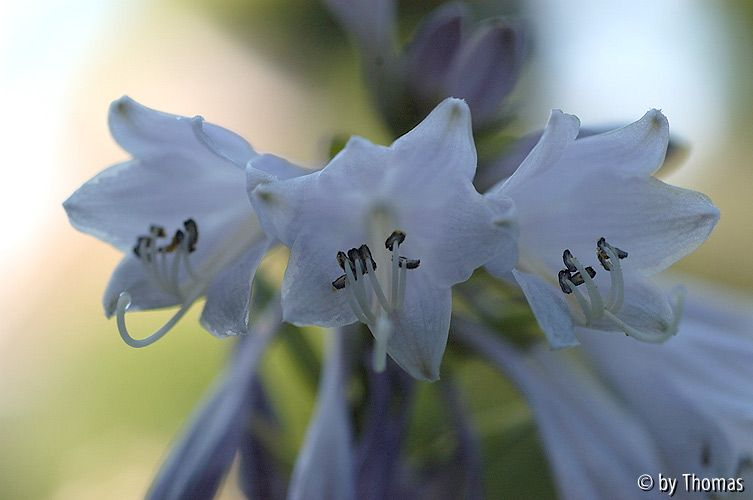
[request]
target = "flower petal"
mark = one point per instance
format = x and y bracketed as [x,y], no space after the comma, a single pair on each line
[560,132]
[683,427]
[324,468]
[226,311]
[265,168]
[411,175]
[439,147]
[473,230]
[656,223]
[646,308]
[121,202]
[708,360]
[259,474]
[330,199]
[503,166]
[636,150]
[421,328]
[574,411]
[151,135]
[551,311]
[308,297]
[600,186]
[386,420]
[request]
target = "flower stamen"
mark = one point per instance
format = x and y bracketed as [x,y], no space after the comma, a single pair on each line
[583,275]
[609,257]
[370,266]
[375,309]
[594,307]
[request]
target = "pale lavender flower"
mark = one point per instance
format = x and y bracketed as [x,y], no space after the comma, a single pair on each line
[450,57]
[381,234]
[593,217]
[179,212]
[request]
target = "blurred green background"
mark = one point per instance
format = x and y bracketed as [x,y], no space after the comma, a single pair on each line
[84,416]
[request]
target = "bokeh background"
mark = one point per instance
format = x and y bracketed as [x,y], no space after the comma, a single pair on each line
[84,416]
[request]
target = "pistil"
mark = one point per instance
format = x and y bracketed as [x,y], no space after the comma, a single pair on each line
[163,265]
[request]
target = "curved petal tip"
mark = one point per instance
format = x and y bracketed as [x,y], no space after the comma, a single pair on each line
[455,109]
[656,118]
[558,117]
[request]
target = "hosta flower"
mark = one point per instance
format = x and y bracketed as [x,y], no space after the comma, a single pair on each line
[448,55]
[179,212]
[616,409]
[382,233]
[594,224]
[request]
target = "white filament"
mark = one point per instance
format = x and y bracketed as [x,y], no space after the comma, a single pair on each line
[617,290]
[597,304]
[584,305]
[376,286]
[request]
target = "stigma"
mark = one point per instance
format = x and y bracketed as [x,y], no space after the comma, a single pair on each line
[167,264]
[375,299]
[593,305]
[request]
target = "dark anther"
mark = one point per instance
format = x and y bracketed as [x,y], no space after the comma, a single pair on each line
[342,259]
[192,232]
[365,253]
[143,242]
[603,259]
[190,236]
[357,258]
[567,278]
[577,278]
[157,231]
[602,255]
[339,283]
[564,279]
[408,263]
[354,256]
[567,258]
[397,236]
[174,243]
